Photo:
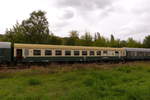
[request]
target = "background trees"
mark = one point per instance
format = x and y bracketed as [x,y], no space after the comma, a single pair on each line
[100,41]
[35,29]
[32,30]
[73,38]
[86,39]
[15,34]
[1,37]
[132,43]
[146,42]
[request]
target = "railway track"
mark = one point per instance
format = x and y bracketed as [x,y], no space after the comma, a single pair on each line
[5,66]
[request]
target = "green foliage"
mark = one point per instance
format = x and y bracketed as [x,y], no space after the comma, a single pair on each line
[35,30]
[73,38]
[15,34]
[55,40]
[146,42]
[86,39]
[127,82]
[32,30]
[123,43]
[100,41]
[34,82]
[1,37]
[133,43]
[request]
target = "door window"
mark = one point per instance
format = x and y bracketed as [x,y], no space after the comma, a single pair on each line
[19,53]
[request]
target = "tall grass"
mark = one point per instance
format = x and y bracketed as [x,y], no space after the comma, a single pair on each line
[77,82]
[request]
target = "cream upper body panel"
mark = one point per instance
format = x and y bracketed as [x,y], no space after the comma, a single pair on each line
[40,46]
[31,47]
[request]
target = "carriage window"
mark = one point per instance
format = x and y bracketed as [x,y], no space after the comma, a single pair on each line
[98,53]
[92,53]
[116,52]
[19,53]
[58,52]
[26,52]
[76,53]
[48,52]
[37,52]
[84,53]
[4,52]
[105,52]
[67,53]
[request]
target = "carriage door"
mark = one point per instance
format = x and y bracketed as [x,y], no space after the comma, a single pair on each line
[19,53]
[117,53]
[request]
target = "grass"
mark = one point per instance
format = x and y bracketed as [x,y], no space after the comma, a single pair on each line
[77,82]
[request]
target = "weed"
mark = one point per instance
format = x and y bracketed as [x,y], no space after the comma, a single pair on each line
[33,82]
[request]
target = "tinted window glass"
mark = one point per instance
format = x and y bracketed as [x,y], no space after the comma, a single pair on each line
[4,52]
[98,53]
[19,53]
[58,52]
[48,52]
[26,52]
[116,52]
[67,53]
[76,53]
[105,52]
[84,53]
[92,53]
[37,52]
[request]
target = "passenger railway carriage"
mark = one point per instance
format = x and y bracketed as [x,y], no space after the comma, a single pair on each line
[5,52]
[137,54]
[52,53]
[58,53]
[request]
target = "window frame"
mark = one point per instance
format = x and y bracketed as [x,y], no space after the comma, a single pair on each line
[48,54]
[92,53]
[36,51]
[98,54]
[56,52]
[83,53]
[105,52]
[69,52]
[76,54]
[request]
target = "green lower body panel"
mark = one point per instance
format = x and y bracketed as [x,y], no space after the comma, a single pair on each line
[138,58]
[69,59]
[5,55]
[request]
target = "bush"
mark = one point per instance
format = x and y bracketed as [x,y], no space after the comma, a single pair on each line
[125,69]
[34,82]
[88,82]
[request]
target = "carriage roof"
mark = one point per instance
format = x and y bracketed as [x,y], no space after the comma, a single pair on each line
[41,46]
[138,49]
[5,45]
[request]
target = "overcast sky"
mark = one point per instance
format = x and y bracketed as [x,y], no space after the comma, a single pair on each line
[122,18]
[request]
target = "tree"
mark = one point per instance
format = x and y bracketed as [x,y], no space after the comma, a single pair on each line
[100,41]
[146,42]
[123,43]
[36,28]
[97,36]
[132,43]
[112,39]
[15,34]
[86,39]
[114,42]
[1,37]
[73,38]
[33,30]
[54,40]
